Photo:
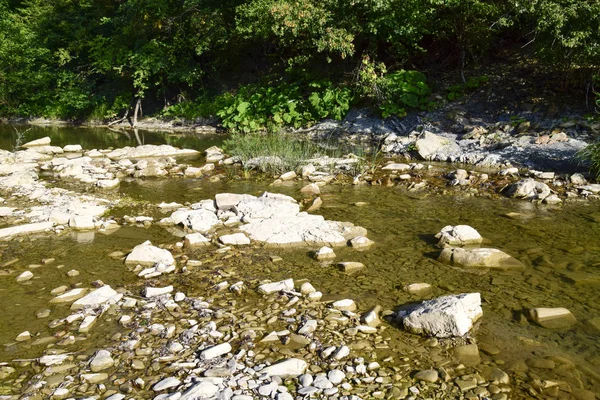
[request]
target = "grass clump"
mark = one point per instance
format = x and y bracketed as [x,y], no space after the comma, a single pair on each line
[590,156]
[271,152]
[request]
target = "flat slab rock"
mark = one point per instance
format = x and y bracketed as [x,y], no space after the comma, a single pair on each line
[150,150]
[446,316]
[458,235]
[478,258]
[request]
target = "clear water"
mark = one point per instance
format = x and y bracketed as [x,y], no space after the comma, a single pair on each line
[560,247]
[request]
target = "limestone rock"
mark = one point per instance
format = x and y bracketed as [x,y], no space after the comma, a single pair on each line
[529,189]
[458,235]
[235,239]
[101,360]
[445,316]
[194,240]
[324,253]
[350,266]
[45,141]
[275,287]
[553,318]
[288,368]
[102,295]
[26,229]
[477,258]
[361,243]
[82,222]
[25,276]
[396,167]
[434,147]
[146,254]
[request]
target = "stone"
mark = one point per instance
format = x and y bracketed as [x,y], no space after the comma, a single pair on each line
[288,176]
[458,235]
[72,148]
[285,285]
[307,288]
[552,199]
[428,375]
[108,183]
[443,317]
[311,189]
[198,220]
[23,336]
[341,353]
[235,239]
[150,151]
[371,317]
[529,189]
[202,390]
[553,318]
[215,351]
[433,147]
[324,253]
[94,378]
[87,323]
[214,154]
[101,360]
[154,291]
[45,141]
[26,229]
[195,240]
[336,376]
[479,258]
[146,254]
[167,383]
[102,295]
[287,368]
[396,167]
[308,327]
[415,288]
[468,354]
[361,242]
[69,296]
[344,305]
[540,363]
[25,276]
[54,359]
[350,266]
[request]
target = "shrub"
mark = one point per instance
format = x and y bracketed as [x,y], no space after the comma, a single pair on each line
[403,90]
[590,156]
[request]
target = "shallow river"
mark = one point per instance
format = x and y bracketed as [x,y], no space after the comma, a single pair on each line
[560,247]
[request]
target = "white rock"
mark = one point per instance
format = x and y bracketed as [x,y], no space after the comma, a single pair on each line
[361,242]
[417,287]
[285,285]
[167,383]
[72,148]
[26,229]
[153,292]
[458,235]
[45,141]
[336,376]
[314,296]
[199,220]
[202,390]
[342,352]
[445,316]
[311,188]
[553,318]
[147,255]
[23,336]
[477,258]
[529,189]
[25,276]
[101,361]
[194,240]
[307,288]
[324,253]
[308,327]
[344,305]
[54,359]
[70,296]
[108,183]
[215,351]
[396,167]
[288,176]
[82,222]
[102,295]
[87,323]
[288,368]
[235,239]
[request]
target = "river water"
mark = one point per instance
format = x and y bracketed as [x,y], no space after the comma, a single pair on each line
[560,247]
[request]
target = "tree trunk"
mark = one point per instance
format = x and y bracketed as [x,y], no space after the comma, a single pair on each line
[138,109]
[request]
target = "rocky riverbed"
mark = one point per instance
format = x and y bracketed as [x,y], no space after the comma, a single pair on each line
[245,295]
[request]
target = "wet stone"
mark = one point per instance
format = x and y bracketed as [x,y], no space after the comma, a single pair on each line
[428,375]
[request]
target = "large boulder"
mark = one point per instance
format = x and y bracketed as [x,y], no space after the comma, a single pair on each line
[433,147]
[200,220]
[528,189]
[149,150]
[478,258]
[443,317]
[458,235]
[269,205]
[148,255]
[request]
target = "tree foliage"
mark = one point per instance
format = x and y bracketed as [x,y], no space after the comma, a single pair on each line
[92,58]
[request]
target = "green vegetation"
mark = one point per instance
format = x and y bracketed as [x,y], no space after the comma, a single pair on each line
[109,60]
[590,156]
[272,152]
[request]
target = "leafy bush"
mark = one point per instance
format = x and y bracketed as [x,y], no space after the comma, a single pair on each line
[271,152]
[256,108]
[402,90]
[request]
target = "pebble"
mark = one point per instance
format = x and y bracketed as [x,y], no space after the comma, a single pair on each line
[428,375]
[25,276]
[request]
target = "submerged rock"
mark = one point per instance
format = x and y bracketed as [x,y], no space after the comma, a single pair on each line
[288,368]
[553,318]
[458,235]
[477,258]
[442,317]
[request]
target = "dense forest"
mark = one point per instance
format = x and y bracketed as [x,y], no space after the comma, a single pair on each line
[265,63]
